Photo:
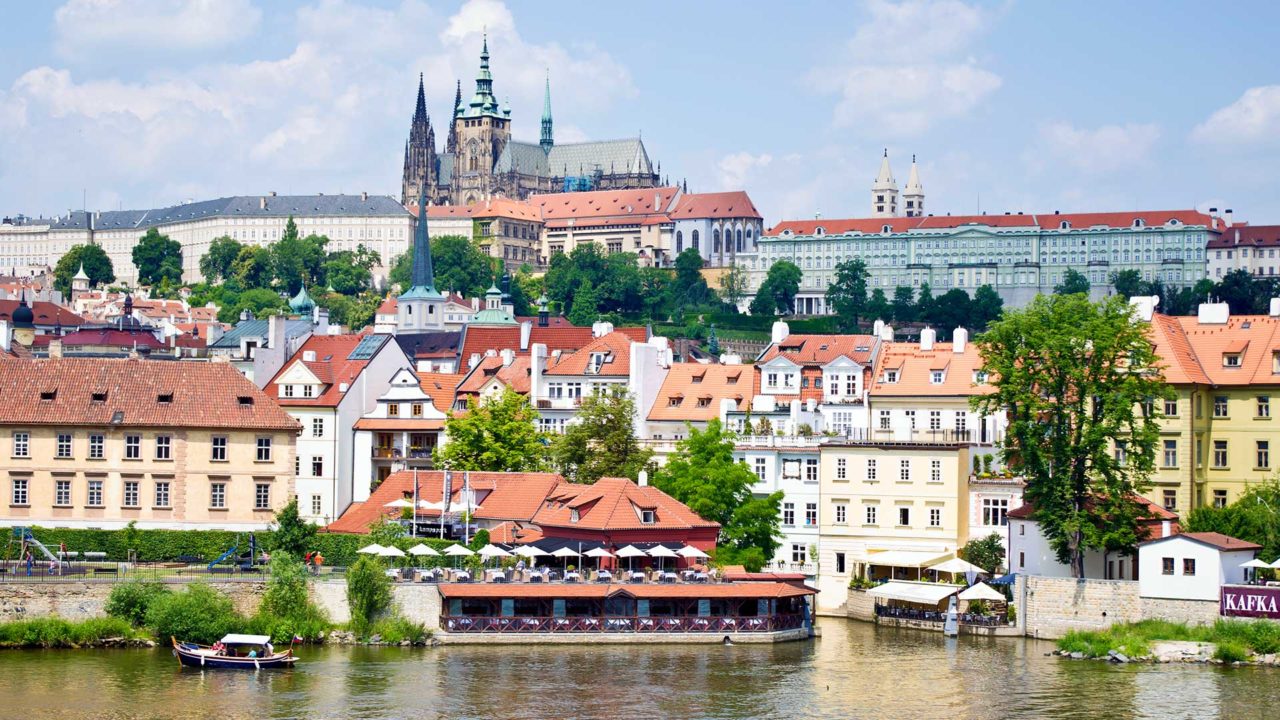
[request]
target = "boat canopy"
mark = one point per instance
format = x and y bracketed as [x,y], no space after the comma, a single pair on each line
[237,639]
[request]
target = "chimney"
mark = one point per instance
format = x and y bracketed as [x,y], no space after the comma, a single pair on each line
[1275,307]
[6,336]
[1227,217]
[537,361]
[55,348]
[275,331]
[730,359]
[927,336]
[272,193]
[490,353]
[643,478]
[473,361]
[959,339]
[262,203]
[1213,313]
[886,333]
[600,329]
[780,331]
[508,356]
[526,331]
[877,327]
[364,196]
[1145,306]
[322,321]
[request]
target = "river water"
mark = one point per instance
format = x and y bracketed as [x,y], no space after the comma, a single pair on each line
[854,670]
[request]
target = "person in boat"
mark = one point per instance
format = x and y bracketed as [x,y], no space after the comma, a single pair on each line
[218,648]
[270,649]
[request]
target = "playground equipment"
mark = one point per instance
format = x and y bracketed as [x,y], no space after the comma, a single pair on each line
[25,538]
[253,547]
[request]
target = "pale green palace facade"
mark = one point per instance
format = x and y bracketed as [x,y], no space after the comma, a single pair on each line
[1018,255]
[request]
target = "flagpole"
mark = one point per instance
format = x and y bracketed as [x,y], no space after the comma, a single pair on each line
[413,523]
[466,520]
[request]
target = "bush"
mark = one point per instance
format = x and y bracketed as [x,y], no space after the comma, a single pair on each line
[56,632]
[396,629]
[199,614]
[291,533]
[287,610]
[1229,652]
[368,593]
[129,601]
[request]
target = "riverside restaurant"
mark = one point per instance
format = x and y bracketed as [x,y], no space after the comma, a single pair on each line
[760,611]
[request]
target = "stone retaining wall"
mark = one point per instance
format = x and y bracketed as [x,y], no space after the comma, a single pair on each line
[1050,607]
[861,606]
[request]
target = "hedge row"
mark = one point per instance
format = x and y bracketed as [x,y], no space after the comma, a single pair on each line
[168,545]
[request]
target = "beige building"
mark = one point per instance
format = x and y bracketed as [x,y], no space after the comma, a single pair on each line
[97,443]
[909,498]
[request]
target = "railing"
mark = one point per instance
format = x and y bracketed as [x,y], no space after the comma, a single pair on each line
[624,624]
[916,437]
[561,403]
[792,567]
[935,616]
[781,441]
[43,571]
[396,453]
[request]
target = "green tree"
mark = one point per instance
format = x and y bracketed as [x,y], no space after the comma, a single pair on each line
[952,310]
[258,301]
[1240,290]
[298,262]
[878,305]
[987,553]
[368,592]
[216,263]
[602,442]
[500,434]
[734,284]
[130,600]
[783,280]
[585,305]
[1076,380]
[157,258]
[986,307]
[1129,283]
[386,532]
[345,275]
[353,311]
[703,474]
[847,294]
[1253,517]
[903,305]
[291,533]
[198,614]
[764,304]
[655,290]
[287,587]
[460,266]
[924,304]
[96,265]
[1072,283]
[690,288]
[367,258]
[252,267]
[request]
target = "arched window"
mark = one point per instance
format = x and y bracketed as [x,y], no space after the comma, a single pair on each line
[739,239]
[1064,225]
[1137,222]
[679,242]
[715,241]
[886,229]
[693,242]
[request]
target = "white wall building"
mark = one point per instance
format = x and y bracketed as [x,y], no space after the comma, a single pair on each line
[790,465]
[1192,566]
[1031,553]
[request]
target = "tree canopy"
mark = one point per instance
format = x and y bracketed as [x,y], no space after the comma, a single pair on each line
[1254,517]
[216,263]
[601,442]
[158,259]
[499,434]
[987,552]
[847,294]
[1073,282]
[777,294]
[252,267]
[1079,383]
[298,261]
[96,265]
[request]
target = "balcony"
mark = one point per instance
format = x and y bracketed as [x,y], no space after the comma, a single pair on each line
[399,453]
[563,403]
[858,436]
[780,441]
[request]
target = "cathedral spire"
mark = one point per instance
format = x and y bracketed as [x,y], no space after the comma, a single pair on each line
[423,276]
[483,102]
[420,112]
[548,137]
[451,145]
[884,191]
[913,193]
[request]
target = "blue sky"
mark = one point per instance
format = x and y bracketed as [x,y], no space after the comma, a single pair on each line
[1018,105]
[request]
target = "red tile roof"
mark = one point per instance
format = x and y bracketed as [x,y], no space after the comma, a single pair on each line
[1246,236]
[203,395]
[616,346]
[388,307]
[601,204]
[476,340]
[494,208]
[399,423]
[107,337]
[942,222]
[615,504]
[1193,352]
[1222,542]
[818,350]
[331,367]
[915,371]
[735,204]
[515,376]
[440,387]
[46,313]
[693,391]
[1155,512]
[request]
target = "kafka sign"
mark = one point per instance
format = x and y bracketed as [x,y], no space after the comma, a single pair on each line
[1249,601]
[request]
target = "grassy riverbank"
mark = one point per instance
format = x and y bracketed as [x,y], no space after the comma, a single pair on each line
[59,633]
[1236,640]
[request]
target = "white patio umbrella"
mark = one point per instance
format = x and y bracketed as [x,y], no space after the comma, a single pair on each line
[660,552]
[691,552]
[1255,564]
[631,551]
[530,551]
[421,549]
[391,552]
[599,554]
[565,553]
[428,505]
[373,549]
[458,551]
[492,551]
[957,565]
[399,503]
[981,591]
[1276,564]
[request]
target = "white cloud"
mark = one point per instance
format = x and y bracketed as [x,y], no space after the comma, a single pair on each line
[733,170]
[1097,151]
[909,66]
[84,26]
[1254,118]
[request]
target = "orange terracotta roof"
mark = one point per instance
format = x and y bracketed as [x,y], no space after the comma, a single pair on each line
[1192,352]
[614,504]
[615,345]
[1156,513]
[514,376]
[818,350]
[200,395]
[628,205]
[690,383]
[440,387]
[398,423]
[915,371]
[733,204]
[1045,221]
[1218,540]
[836,226]
[388,306]
[494,208]
[46,313]
[332,367]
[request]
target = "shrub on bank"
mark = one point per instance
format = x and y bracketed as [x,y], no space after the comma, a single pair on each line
[286,610]
[1233,638]
[397,629]
[368,593]
[198,614]
[129,601]
[54,632]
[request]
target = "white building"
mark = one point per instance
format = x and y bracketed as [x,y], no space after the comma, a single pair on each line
[405,425]
[717,225]
[790,465]
[1031,553]
[1192,566]
[1254,248]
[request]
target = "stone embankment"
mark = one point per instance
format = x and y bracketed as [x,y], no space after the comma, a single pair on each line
[1173,651]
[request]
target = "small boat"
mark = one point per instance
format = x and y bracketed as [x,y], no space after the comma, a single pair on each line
[235,651]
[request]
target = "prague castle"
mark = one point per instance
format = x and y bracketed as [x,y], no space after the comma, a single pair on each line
[481,161]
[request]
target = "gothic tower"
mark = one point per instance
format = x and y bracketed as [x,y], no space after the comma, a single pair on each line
[483,129]
[452,146]
[884,191]
[421,307]
[419,153]
[913,193]
[548,137]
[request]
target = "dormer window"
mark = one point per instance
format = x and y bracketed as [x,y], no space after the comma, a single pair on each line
[286,391]
[416,409]
[48,395]
[1137,222]
[1231,360]
[573,515]
[891,376]
[675,401]
[936,376]
[979,377]
[1275,362]
[731,380]
[704,402]
[1064,225]
[648,517]
[697,378]
[597,361]
[99,397]
[308,391]
[886,229]
[245,401]
[165,398]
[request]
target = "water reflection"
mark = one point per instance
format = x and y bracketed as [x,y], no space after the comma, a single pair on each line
[854,671]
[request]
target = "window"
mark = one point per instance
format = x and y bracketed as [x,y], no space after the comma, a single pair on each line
[891,376]
[904,471]
[788,514]
[1022,560]
[317,427]
[94,497]
[264,449]
[162,494]
[884,419]
[1121,453]
[810,514]
[21,445]
[935,377]
[1170,453]
[935,471]
[1219,498]
[762,468]
[935,419]
[1170,499]
[904,516]
[799,555]
[262,496]
[132,447]
[1264,454]
[307,391]
[416,409]
[97,447]
[316,507]
[1166,566]
[19,495]
[842,469]
[393,409]
[871,470]
[219,449]
[62,493]
[1220,406]
[995,512]
[1188,566]
[871,514]
[911,419]
[287,390]
[131,493]
[840,566]
[1264,406]
[218,495]
[1220,453]
[935,517]
[1231,360]
[64,445]
[1171,408]
[842,511]
[962,422]
[811,470]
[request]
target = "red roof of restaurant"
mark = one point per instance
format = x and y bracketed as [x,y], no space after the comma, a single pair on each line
[700,590]
[615,504]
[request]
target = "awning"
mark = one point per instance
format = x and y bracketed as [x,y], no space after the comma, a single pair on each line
[926,593]
[982,591]
[957,565]
[1004,579]
[906,558]
[236,639]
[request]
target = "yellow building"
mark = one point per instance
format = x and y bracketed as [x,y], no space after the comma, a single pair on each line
[909,498]
[1218,433]
[91,442]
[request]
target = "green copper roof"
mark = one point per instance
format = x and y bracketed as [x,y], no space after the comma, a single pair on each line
[302,302]
[483,103]
[492,317]
[423,277]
